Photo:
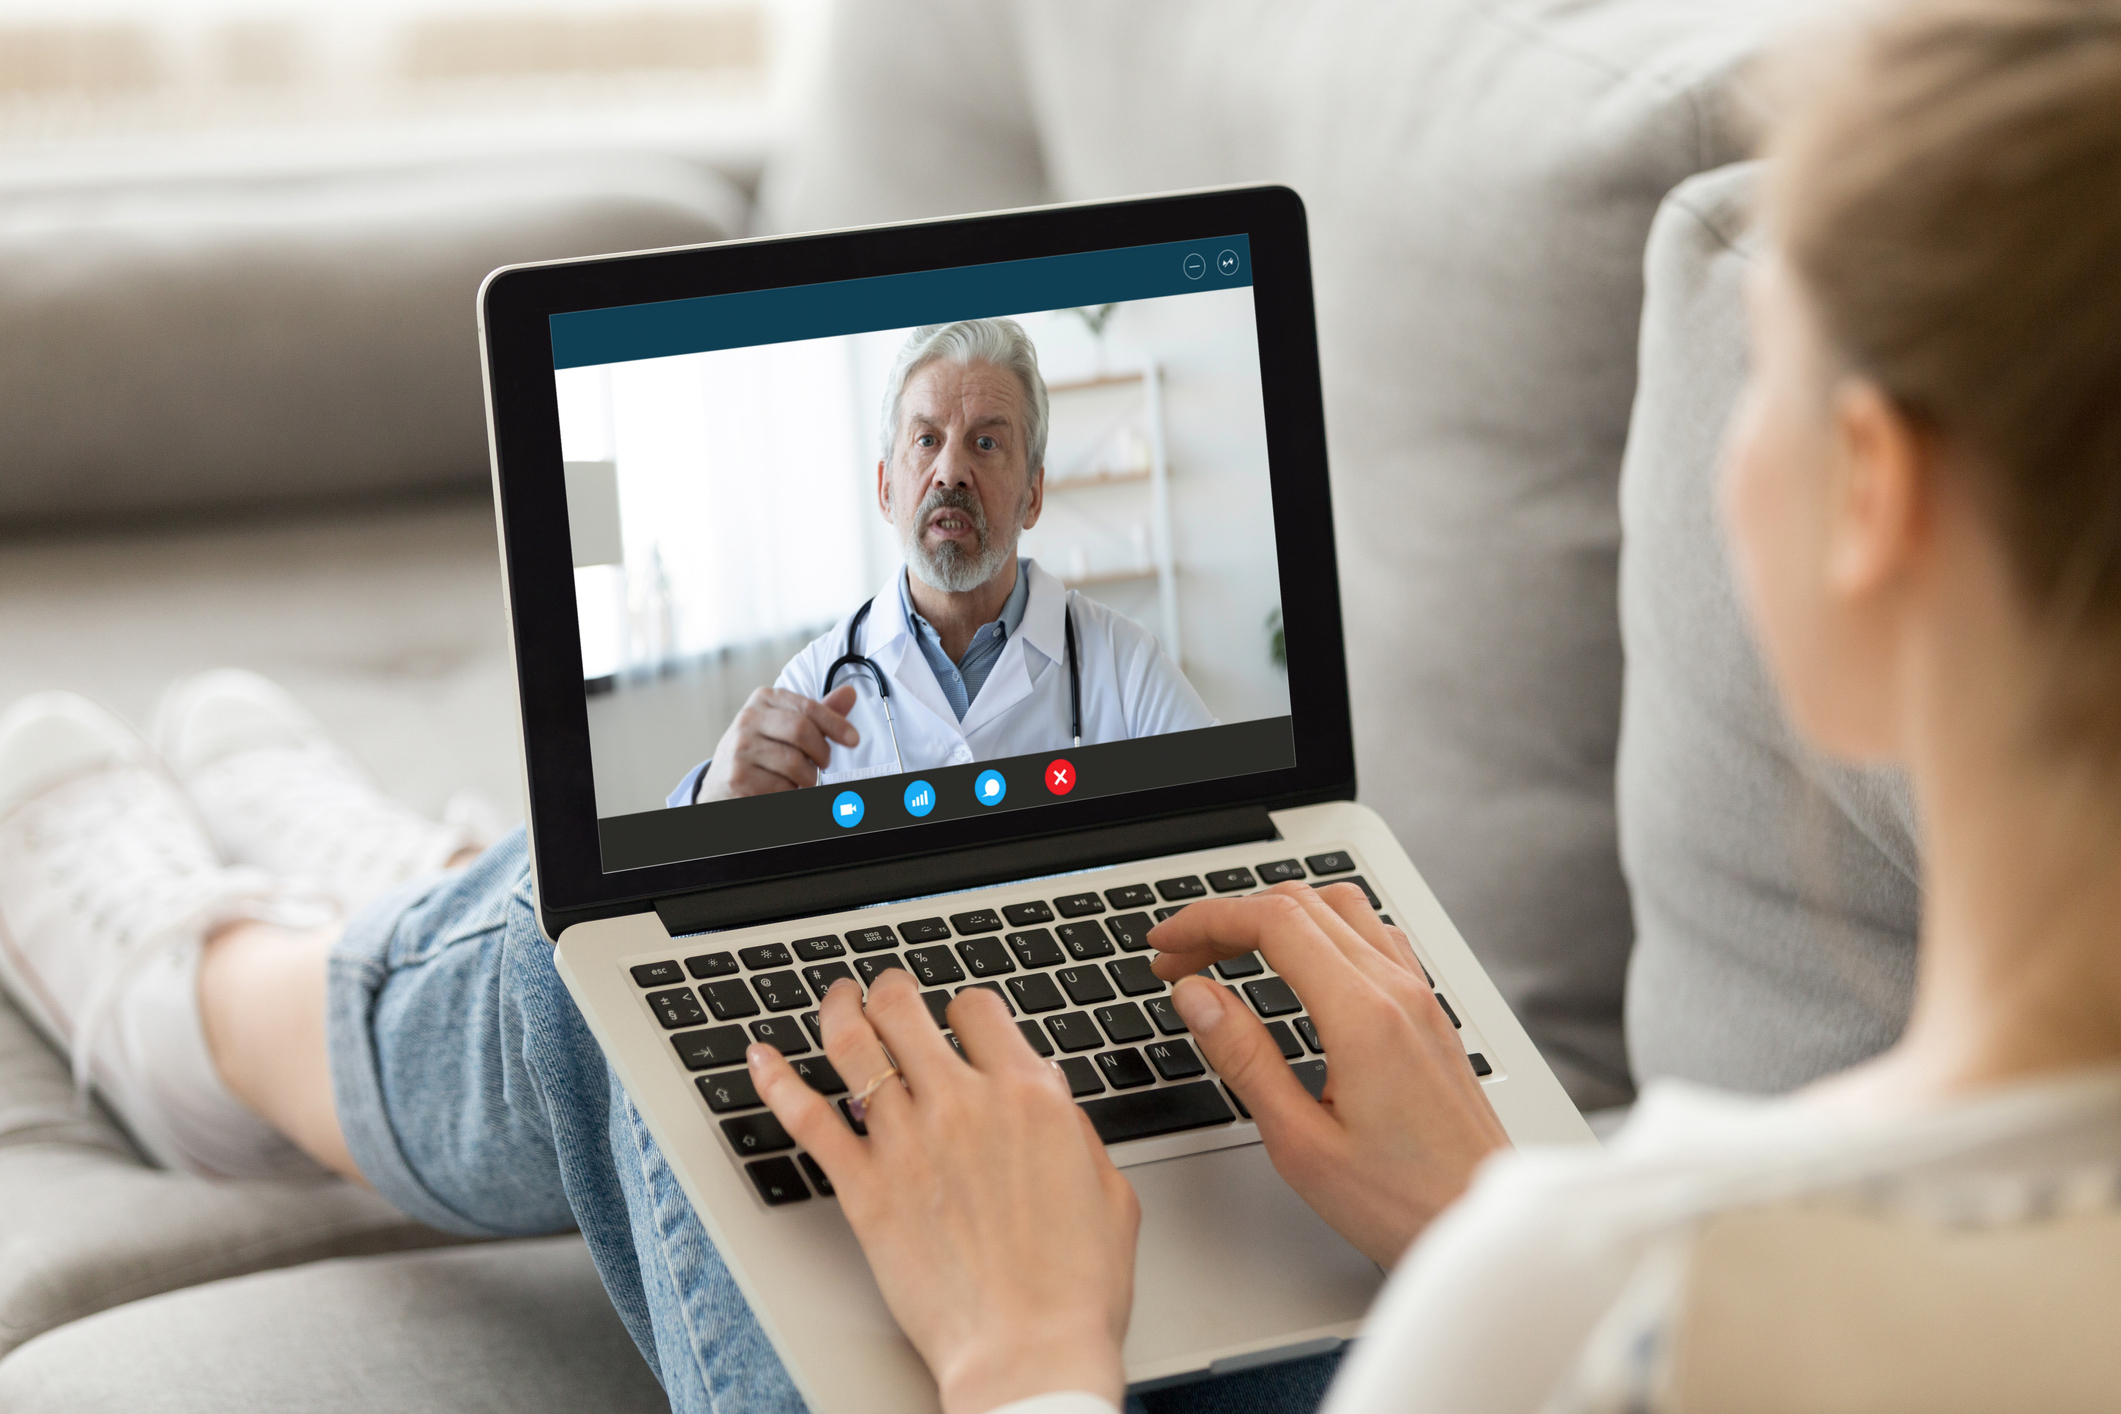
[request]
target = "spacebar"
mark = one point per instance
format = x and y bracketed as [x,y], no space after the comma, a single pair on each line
[1149,1112]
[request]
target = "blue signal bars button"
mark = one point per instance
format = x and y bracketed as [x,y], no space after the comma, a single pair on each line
[920,799]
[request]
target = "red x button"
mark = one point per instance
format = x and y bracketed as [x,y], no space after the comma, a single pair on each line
[1060,776]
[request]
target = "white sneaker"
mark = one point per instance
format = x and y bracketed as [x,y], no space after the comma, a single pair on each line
[108,887]
[277,792]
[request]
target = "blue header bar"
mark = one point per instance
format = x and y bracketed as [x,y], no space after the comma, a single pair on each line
[794,312]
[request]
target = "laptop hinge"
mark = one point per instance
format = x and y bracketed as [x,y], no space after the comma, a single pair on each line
[743,904]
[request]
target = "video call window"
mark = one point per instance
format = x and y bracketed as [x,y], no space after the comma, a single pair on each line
[733,510]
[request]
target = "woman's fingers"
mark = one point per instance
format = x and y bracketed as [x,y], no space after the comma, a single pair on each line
[983,1025]
[901,1021]
[1238,1046]
[851,1043]
[1282,926]
[808,1116]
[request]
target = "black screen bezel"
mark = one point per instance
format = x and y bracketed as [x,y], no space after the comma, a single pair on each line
[516,305]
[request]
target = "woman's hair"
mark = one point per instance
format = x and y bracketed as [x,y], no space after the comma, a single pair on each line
[1946,188]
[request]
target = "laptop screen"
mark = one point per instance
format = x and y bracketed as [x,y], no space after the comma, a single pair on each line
[875,554]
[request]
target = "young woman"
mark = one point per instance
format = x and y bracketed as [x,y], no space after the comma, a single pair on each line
[1924,497]
[1923,494]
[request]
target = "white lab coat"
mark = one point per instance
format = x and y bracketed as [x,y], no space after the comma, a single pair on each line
[1130,687]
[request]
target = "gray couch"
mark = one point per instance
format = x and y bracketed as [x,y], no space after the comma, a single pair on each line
[248,432]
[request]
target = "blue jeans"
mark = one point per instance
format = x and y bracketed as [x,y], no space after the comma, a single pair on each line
[475,1100]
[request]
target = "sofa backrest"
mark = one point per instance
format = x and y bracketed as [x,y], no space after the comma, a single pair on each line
[1777,893]
[1480,177]
[224,338]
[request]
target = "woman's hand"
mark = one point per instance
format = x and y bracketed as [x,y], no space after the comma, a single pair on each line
[1001,1234]
[1404,1122]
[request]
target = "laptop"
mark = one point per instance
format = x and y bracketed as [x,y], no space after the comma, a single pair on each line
[686,448]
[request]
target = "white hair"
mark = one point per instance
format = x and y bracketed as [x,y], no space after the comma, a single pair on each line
[1000,343]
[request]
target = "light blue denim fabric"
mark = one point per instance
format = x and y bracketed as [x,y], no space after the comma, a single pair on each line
[475,1100]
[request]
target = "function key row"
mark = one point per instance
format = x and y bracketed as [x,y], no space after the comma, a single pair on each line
[1084,941]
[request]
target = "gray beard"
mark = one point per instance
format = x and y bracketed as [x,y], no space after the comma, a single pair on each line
[946,567]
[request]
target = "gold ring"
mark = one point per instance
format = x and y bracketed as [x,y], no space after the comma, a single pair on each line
[858,1105]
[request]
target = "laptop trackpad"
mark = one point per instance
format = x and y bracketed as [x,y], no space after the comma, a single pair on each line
[1232,1260]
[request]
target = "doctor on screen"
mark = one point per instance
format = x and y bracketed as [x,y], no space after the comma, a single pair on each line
[964,655]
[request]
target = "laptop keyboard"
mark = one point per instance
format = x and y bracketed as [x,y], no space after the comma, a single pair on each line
[1073,968]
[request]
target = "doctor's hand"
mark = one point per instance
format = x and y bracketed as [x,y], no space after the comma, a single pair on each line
[1000,1233]
[1403,1123]
[779,741]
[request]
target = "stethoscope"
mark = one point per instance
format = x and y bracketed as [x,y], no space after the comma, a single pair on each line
[852,659]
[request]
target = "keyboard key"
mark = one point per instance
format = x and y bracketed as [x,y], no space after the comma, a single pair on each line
[1036,948]
[1023,915]
[763,956]
[956,1045]
[1079,905]
[656,974]
[815,1172]
[677,1007]
[1132,896]
[1085,940]
[985,957]
[1163,914]
[1313,1074]
[934,966]
[1338,862]
[1164,1013]
[1243,965]
[777,1182]
[852,1123]
[1280,871]
[717,1045]
[1036,993]
[1228,881]
[924,930]
[729,1000]
[818,1074]
[1308,1029]
[1082,1077]
[756,1134]
[1480,1064]
[1271,997]
[871,968]
[711,965]
[1185,886]
[1134,977]
[1073,1032]
[1151,1112]
[823,975]
[870,939]
[1286,1039]
[994,987]
[780,991]
[1124,1023]
[1445,1002]
[731,1090]
[1130,930]
[980,920]
[1242,1112]
[1124,1070]
[815,1025]
[782,1033]
[1036,1035]
[938,1003]
[1175,1060]
[816,949]
[1086,985]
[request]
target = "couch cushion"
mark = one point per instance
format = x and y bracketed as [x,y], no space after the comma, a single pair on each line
[1776,894]
[226,338]
[1480,177]
[89,1225]
[510,1328]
